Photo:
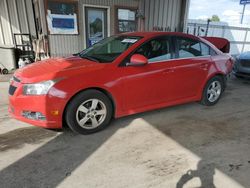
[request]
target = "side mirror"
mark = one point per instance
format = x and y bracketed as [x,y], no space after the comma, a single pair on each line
[138,60]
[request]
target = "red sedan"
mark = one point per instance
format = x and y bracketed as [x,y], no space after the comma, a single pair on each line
[121,75]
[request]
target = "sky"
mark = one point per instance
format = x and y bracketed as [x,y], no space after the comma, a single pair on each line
[227,10]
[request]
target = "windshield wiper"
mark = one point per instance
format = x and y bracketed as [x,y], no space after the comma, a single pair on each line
[89,58]
[76,54]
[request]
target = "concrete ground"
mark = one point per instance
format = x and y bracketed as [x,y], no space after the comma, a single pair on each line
[5,78]
[184,146]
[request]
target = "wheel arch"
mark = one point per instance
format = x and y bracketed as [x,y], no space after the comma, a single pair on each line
[221,74]
[104,91]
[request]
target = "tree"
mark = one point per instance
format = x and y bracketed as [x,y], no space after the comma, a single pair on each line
[215,18]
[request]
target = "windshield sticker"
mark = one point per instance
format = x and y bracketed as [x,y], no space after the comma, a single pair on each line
[129,40]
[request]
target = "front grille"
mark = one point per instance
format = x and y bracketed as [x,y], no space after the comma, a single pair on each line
[12,90]
[245,63]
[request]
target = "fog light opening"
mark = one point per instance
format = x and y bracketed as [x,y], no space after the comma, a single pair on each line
[33,115]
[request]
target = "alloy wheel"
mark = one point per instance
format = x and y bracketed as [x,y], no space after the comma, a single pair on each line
[91,113]
[214,91]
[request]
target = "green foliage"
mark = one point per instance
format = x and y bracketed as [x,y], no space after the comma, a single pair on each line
[215,18]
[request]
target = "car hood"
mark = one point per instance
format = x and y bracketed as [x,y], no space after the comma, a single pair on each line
[244,55]
[55,68]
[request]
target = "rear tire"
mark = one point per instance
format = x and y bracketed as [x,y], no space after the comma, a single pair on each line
[89,112]
[212,91]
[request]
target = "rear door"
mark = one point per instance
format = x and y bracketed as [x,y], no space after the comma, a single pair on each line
[189,68]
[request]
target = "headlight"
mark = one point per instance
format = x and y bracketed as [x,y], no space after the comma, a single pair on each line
[40,88]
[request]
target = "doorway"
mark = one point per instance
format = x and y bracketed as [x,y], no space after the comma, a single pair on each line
[96,24]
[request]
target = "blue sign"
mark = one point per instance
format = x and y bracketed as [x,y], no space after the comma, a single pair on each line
[63,23]
[243,2]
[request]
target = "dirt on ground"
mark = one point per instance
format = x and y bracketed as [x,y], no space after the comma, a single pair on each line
[188,145]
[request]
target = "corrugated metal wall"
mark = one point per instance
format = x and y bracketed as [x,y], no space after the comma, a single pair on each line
[62,45]
[16,16]
[165,15]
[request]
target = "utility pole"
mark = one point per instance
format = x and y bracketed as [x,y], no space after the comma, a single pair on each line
[243,12]
[208,21]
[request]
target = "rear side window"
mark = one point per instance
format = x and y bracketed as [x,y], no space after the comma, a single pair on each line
[191,48]
[188,48]
[156,49]
[205,49]
[212,52]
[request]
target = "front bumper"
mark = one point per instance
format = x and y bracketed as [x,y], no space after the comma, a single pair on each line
[240,70]
[242,74]
[48,105]
[39,123]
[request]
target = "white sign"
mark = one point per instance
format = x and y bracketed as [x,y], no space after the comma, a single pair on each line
[129,40]
[62,24]
[125,14]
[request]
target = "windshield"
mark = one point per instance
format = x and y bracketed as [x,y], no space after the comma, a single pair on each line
[108,49]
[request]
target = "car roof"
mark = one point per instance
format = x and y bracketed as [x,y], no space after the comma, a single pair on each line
[160,33]
[151,34]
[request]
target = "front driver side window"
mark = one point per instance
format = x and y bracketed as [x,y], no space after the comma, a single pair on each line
[156,50]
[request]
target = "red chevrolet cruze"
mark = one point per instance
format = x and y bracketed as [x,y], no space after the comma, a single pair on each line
[121,75]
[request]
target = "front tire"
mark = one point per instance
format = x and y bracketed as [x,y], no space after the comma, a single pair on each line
[89,112]
[212,91]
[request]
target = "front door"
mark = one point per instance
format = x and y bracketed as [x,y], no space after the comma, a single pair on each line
[96,25]
[148,85]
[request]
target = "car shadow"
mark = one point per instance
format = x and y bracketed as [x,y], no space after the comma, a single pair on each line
[202,130]
[19,137]
[51,163]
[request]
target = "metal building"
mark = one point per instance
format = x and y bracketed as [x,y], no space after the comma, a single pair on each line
[94,20]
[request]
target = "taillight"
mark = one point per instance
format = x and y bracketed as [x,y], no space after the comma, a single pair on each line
[230,64]
[232,60]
